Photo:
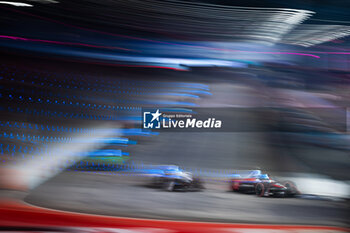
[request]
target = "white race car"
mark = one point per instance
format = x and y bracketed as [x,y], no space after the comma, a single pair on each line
[172,178]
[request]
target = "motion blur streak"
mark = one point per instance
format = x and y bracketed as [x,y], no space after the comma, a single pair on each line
[63,221]
[16,3]
[61,42]
[286,20]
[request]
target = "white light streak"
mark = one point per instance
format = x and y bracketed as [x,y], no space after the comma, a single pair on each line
[16,4]
[307,35]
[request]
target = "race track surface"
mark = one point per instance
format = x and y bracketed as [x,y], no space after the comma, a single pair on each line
[129,196]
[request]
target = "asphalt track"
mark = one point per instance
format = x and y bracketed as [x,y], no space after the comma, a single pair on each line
[128,196]
[125,196]
[226,151]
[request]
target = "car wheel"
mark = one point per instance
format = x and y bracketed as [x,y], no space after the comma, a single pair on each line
[169,186]
[259,189]
[291,188]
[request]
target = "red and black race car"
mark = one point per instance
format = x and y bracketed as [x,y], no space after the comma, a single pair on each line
[262,185]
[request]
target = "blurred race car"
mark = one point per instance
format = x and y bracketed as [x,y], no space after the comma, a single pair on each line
[104,159]
[172,178]
[262,185]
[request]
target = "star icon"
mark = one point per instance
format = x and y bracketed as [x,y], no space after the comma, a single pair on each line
[156,115]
